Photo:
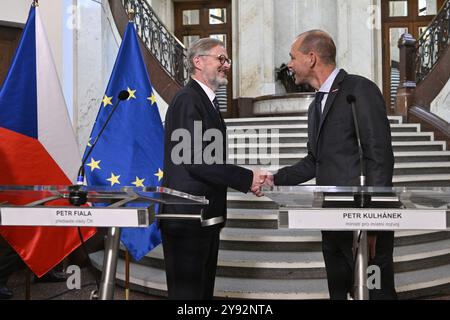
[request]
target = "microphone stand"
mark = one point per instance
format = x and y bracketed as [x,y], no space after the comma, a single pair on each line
[78,196]
[362,200]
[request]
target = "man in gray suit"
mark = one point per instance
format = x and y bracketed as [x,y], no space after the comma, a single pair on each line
[333,156]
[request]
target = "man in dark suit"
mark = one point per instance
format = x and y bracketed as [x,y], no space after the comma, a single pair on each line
[333,157]
[195,158]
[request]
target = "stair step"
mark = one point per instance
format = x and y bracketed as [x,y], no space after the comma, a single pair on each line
[272,137]
[292,128]
[304,240]
[245,148]
[307,265]
[400,168]
[410,285]
[244,218]
[426,180]
[286,120]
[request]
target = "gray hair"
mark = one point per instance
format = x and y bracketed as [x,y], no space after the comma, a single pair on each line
[200,47]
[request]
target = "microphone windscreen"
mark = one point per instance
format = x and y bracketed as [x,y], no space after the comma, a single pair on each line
[351,98]
[123,95]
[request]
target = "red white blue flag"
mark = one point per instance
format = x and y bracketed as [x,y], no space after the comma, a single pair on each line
[37,144]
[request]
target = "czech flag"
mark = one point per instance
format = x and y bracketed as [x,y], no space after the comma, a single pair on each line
[37,144]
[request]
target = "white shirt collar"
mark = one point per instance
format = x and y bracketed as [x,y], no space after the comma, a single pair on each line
[326,86]
[209,92]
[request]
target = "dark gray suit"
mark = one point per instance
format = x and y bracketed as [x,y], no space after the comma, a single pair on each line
[333,159]
[190,250]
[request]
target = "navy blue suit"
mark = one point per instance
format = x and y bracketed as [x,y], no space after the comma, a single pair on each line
[333,159]
[190,250]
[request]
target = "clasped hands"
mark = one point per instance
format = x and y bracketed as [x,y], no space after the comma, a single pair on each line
[261,178]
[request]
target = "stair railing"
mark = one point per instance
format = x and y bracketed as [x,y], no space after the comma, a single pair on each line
[164,46]
[433,43]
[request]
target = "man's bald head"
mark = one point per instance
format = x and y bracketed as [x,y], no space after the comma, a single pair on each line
[320,42]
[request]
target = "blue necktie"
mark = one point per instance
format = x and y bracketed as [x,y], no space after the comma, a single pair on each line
[216,105]
[318,108]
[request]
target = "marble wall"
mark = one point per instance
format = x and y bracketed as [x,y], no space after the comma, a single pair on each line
[266,29]
[164,10]
[358,38]
[96,47]
[89,82]
[441,105]
[15,13]
[253,43]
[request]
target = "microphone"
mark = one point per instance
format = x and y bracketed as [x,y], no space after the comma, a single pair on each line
[78,197]
[361,199]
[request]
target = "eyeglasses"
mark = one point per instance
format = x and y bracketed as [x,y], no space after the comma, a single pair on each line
[222,59]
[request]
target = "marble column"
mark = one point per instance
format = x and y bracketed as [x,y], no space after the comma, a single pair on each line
[358,38]
[89,80]
[254,48]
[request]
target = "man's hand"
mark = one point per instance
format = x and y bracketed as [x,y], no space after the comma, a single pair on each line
[259,178]
[269,180]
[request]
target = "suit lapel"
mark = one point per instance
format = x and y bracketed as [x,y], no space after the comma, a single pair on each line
[209,108]
[330,99]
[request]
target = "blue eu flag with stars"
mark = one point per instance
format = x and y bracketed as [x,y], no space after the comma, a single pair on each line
[130,150]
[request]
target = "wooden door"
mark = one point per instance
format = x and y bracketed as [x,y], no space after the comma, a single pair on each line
[398,17]
[202,19]
[9,40]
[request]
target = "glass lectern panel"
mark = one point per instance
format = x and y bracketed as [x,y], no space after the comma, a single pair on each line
[102,194]
[362,208]
[315,196]
[89,206]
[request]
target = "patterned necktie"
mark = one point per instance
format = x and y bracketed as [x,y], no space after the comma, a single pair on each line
[216,105]
[318,108]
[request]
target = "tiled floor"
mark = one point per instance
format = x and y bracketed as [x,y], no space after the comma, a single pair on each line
[59,290]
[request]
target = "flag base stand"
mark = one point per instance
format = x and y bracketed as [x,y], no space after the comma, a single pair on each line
[28,284]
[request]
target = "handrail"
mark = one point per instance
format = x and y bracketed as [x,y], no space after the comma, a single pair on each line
[430,122]
[432,43]
[163,45]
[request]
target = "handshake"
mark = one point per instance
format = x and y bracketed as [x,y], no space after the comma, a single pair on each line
[261,178]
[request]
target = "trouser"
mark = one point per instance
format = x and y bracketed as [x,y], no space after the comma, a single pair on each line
[339,264]
[9,262]
[190,258]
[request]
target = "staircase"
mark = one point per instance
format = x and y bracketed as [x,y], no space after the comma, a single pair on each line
[259,261]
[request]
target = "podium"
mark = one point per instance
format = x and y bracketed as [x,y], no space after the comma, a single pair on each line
[111,207]
[360,209]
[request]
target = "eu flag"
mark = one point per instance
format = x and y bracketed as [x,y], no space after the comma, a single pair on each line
[130,150]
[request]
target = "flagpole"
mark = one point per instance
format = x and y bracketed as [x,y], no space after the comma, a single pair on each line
[131,16]
[27,284]
[127,275]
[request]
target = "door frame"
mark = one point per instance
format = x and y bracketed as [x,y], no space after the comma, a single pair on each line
[204,30]
[413,22]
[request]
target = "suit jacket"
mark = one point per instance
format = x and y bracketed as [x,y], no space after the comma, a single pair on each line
[333,156]
[190,105]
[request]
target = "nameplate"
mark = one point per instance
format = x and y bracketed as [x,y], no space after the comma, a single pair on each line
[365,219]
[74,217]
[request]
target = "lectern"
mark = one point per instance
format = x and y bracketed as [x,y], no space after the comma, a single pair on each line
[360,209]
[110,207]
